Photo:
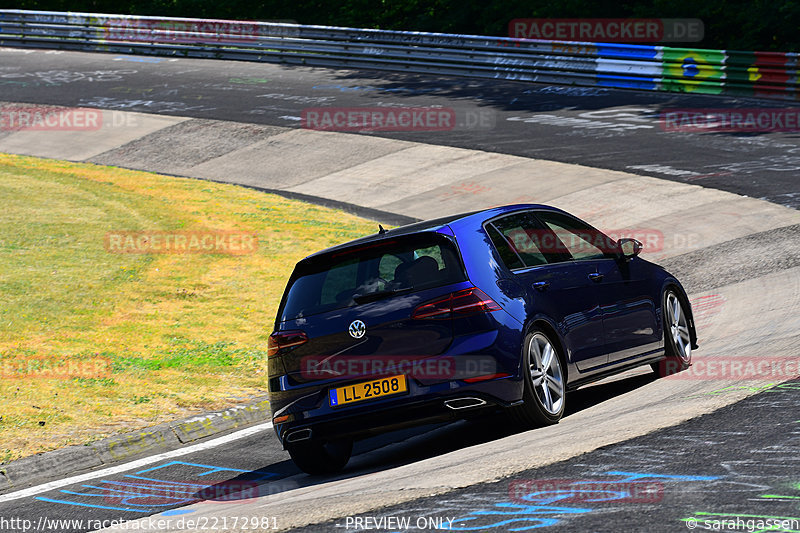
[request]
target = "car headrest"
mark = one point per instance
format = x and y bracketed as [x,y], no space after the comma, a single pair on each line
[417,272]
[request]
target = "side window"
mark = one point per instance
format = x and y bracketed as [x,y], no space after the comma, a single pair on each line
[521,234]
[583,241]
[509,257]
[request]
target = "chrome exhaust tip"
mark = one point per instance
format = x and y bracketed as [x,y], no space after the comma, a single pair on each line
[464,403]
[300,434]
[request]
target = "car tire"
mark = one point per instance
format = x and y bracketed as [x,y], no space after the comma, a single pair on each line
[677,336]
[544,377]
[319,457]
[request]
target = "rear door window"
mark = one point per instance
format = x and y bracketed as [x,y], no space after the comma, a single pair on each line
[379,269]
[522,241]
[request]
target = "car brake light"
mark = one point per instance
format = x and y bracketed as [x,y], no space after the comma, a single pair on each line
[462,303]
[284,339]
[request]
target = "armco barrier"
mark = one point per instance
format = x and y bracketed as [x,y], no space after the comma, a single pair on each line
[657,68]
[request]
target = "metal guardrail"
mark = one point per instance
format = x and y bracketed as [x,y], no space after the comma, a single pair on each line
[657,68]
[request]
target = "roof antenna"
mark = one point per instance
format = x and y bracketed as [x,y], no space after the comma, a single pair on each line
[381,231]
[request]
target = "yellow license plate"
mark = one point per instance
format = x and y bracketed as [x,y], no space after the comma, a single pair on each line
[359,392]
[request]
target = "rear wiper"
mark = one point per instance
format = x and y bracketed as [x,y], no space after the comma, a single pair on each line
[372,296]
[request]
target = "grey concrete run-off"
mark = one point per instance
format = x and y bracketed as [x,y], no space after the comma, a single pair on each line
[129,446]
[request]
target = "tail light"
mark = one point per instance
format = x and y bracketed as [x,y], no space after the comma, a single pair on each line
[456,304]
[284,339]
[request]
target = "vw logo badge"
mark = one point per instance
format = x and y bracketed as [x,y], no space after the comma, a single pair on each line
[357,329]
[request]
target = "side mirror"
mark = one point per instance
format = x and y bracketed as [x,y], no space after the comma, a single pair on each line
[629,248]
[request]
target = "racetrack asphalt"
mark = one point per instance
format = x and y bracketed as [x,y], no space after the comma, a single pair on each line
[725,471]
[727,464]
[597,127]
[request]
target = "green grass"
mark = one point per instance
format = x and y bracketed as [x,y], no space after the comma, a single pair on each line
[174,333]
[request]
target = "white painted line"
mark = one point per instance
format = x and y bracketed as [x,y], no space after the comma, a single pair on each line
[110,471]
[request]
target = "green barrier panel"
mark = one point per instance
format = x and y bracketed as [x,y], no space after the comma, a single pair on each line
[693,71]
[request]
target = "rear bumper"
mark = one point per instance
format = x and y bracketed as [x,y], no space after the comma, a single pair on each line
[421,405]
[494,338]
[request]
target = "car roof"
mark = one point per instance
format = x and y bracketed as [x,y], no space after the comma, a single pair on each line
[462,219]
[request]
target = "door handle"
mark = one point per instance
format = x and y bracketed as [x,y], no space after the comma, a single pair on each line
[541,285]
[596,277]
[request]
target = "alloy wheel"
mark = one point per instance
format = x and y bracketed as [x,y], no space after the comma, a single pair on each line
[546,374]
[679,327]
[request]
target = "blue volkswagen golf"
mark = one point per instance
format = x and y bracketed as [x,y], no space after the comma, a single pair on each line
[504,309]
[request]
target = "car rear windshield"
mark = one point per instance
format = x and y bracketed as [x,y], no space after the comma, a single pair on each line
[371,271]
